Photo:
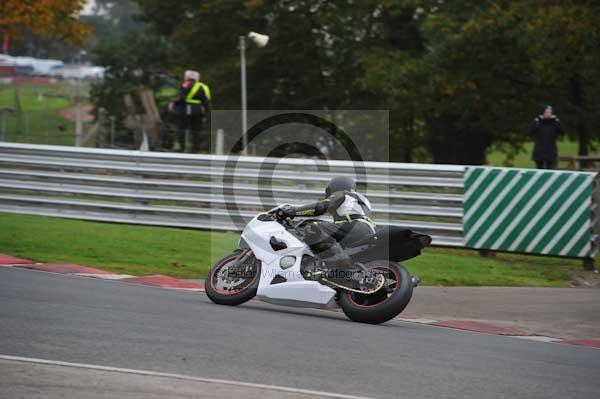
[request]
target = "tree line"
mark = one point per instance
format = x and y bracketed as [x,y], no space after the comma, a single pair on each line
[459,77]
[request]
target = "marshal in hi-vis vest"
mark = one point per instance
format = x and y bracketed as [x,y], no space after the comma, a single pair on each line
[189,99]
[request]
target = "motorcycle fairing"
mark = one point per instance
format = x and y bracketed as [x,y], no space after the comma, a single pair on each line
[295,290]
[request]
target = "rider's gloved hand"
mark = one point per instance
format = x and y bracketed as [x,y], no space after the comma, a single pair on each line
[286,211]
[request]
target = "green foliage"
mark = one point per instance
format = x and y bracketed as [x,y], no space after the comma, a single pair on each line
[133,63]
[111,20]
[489,66]
[39,120]
[310,61]
[459,77]
[570,32]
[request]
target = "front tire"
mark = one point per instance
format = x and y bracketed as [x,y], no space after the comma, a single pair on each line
[384,304]
[223,289]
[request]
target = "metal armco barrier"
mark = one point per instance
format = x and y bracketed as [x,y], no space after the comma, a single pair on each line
[215,192]
[501,207]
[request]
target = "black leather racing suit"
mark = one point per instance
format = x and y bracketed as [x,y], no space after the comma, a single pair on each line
[351,211]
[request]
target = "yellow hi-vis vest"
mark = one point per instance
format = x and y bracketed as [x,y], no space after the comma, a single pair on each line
[189,99]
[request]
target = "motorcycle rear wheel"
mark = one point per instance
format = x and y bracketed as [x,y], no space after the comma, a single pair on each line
[384,304]
[223,289]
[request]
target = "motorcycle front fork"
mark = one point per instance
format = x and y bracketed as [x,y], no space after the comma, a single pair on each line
[246,253]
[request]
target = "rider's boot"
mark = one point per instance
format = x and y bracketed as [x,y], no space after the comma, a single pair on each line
[340,269]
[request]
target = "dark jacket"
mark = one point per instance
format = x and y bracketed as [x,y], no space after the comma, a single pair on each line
[343,206]
[544,133]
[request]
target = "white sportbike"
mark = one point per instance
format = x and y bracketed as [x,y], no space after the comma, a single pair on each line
[274,264]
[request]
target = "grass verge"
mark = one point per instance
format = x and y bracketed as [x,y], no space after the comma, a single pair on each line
[144,250]
[523,159]
[39,120]
[127,249]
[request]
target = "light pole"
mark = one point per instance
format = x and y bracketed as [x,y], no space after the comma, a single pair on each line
[78,109]
[260,41]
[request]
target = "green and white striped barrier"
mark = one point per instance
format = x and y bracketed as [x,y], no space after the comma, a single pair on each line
[532,211]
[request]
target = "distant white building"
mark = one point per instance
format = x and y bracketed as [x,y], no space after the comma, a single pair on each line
[54,68]
[88,72]
[36,66]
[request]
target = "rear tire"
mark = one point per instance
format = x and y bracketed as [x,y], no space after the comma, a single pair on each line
[243,291]
[382,305]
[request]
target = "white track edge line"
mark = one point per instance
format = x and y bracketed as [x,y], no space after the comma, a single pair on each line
[103,276]
[536,338]
[417,320]
[181,377]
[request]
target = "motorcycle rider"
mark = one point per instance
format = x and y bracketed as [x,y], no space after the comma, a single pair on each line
[350,210]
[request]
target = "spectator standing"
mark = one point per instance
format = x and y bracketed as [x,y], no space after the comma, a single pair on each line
[545,130]
[191,107]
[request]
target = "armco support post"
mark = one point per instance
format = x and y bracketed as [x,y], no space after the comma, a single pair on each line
[485,253]
[588,263]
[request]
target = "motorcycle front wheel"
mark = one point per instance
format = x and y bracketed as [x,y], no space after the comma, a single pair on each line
[384,304]
[226,286]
